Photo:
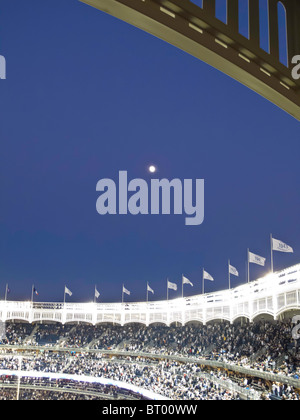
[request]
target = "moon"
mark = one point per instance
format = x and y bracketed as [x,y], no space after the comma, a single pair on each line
[152,169]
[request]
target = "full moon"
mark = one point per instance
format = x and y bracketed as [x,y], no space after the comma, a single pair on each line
[152,169]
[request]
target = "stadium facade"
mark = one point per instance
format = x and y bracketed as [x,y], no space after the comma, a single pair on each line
[270,297]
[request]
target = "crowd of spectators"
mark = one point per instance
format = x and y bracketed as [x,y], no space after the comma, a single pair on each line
[61,389]
[170,380]
[264,346]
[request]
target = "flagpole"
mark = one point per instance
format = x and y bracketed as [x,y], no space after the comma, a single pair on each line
[32,293]
[65,295]
[123,294]
[229,274]
[167,289]
[248,268]
[6,292]
[182,285]
[147,292]
[272,255]
[203,282]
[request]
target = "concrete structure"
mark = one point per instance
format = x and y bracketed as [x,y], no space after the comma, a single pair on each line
[269,298]
[196,30]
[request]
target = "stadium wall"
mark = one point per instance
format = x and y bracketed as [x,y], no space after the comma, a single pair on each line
[270,296]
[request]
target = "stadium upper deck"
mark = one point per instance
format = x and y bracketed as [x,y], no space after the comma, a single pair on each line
[269,297]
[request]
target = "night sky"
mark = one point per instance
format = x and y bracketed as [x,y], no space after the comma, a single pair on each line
[87,96]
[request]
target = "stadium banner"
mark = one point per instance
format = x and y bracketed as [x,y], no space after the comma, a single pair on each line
[68,291]
[97,294]
[127,292]
[186,281]
[172,286]
[233,271]
[149,289]
[207,276]
[281,246]
[256,259]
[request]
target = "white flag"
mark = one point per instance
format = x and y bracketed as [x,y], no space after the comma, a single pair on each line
[126,291]
[186,281]
[68,292]
[172,286]
[256,259]
[97,294]
[207,276]
[281,246]
[149,289]
[233,271]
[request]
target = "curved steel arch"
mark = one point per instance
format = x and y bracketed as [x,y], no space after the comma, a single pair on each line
[197,31]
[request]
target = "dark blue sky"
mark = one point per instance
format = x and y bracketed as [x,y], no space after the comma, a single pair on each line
[87,96]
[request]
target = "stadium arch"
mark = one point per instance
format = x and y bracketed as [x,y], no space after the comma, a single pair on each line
[176,324]
[288,313]
[157,324]
[20,319]
[201,33]
[242,320]
[195,322]
[218,321]
[132,324]
[265,316]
